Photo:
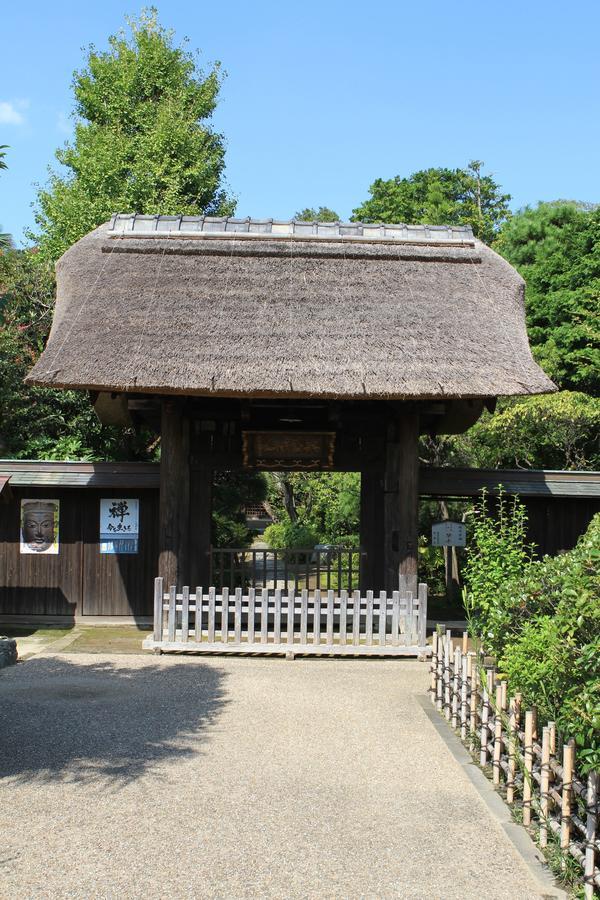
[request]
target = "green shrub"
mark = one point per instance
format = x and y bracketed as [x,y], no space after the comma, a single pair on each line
[282,535]
[555,658]
[542,620]
[496,555]
[431,567]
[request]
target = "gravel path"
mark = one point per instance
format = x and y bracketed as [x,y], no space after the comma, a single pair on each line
[166,777]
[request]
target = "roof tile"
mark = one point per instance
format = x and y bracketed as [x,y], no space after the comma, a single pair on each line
[129,222]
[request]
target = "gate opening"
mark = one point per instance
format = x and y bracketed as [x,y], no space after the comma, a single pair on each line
[286,530]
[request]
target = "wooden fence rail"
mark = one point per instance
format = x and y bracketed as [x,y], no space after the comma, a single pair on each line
[521,757]
[261,621]
[334,568]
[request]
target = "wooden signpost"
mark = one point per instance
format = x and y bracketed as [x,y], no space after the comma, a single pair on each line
[448,534]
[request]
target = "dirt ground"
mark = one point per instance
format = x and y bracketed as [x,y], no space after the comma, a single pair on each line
[155,777]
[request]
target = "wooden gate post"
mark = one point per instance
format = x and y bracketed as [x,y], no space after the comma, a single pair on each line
[371,529]
[401,502]
[174,493]
[200,513]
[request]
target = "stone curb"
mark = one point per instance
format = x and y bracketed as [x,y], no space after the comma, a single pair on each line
[517,835]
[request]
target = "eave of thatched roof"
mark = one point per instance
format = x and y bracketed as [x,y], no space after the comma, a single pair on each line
[264,309]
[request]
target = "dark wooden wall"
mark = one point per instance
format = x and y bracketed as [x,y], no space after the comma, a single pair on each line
[119,584]
[555,523]
[82,581]
[46,585]
[79,580]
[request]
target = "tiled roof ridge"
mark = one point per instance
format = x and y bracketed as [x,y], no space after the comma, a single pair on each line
[128,223]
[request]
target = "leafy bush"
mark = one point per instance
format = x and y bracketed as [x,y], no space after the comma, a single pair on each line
[552,431]
[232,492]
[555,659]
[496,555]
[230,531]
[542,620]
[327,504]
[294,535]
[431,567]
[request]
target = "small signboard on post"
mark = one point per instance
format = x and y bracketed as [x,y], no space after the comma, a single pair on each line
[448,534]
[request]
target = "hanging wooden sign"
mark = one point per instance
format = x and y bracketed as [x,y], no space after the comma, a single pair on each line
[288,449]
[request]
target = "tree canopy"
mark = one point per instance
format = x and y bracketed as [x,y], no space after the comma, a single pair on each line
[5,239]
[556,248]
[319,507]
[143,142]
[554,431]
[322,214]
[39,423]
[439,196]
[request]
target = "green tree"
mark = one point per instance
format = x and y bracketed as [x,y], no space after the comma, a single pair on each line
[5,239]
[143,142]
[232,492]
[325,505]
[556,248]
[322,214]
[553,431]
[38,422]
[439,196]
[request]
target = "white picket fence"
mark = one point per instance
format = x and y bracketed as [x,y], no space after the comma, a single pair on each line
[263,621]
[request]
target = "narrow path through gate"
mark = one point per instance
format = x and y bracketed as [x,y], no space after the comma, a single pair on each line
[263,621]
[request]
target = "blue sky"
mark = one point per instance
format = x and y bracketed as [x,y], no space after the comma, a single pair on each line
[322,98]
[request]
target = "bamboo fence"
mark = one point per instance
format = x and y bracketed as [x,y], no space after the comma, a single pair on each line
[519,755]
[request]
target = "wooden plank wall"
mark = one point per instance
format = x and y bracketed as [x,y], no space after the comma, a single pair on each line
[44,585]
[556,523]
[119,584]
[79,580]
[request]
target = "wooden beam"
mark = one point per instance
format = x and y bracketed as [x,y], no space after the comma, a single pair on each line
[371,529]
[174,508]
[201,481]
[401,502]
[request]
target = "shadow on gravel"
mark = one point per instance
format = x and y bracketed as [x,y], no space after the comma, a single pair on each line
[80,721]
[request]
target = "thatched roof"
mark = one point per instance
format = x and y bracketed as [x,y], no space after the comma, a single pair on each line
[261,308]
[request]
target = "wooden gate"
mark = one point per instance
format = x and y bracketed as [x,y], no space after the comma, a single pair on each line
[263,621]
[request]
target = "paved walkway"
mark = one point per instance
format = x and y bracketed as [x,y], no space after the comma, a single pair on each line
[166,777]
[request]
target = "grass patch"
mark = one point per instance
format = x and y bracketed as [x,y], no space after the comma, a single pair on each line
[109,639]
[23,631]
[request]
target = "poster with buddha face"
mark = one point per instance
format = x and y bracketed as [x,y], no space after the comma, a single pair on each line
[39,526]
